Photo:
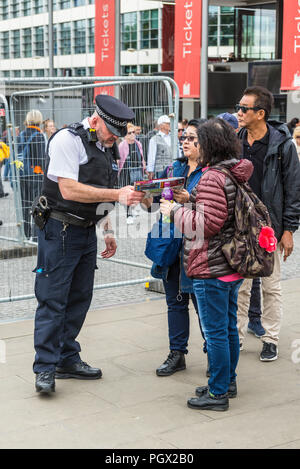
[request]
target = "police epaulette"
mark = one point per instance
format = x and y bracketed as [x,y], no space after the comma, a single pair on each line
[73,128]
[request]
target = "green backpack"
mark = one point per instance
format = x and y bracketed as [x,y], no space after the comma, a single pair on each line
[243,252]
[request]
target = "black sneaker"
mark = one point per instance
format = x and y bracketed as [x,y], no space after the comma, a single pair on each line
[269,352]
[174,362]
[255,327]
[78,370]
[208,401]
[232,390]
[45,382]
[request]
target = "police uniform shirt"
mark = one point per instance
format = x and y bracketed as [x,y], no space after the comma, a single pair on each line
[67,153]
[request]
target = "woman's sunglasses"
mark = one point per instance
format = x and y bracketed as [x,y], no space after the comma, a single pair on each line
[189,138]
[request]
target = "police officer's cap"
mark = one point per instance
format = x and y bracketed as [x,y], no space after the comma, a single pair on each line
[115,114]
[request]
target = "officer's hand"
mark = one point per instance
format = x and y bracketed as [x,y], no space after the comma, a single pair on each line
[111,247]
[128,196]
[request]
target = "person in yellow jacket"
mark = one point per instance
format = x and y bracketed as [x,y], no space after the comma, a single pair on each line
[4,155]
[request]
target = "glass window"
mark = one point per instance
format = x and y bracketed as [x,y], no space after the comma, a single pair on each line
[149,68]
[39,41]
[6,73]
[78,3]
[55,39]
[91,35]
[27,42]
[79,37]
[38,6]
[258,33]
[65,39]
[129,31]
[128,69]
[15,8]
[5,44]
[149,29]
[5,14]
[17,73]
[40,72]
[16,44]
[80,72]
[65,4]
[27,73]
[26,7]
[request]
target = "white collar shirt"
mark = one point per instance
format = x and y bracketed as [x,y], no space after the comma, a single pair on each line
[67,153]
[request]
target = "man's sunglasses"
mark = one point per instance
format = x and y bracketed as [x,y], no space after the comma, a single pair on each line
[245,109]
[189,138]
[130,133]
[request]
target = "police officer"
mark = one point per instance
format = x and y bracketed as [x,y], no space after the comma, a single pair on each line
[81,171]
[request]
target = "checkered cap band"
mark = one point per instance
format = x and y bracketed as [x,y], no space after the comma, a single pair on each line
[109,119]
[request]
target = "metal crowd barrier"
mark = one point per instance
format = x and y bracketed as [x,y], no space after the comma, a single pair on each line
[66,101]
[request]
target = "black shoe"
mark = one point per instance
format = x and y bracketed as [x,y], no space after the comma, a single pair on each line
[1,222]
[232,390]
[209,402]
[4,195]
[78,370]
[45,382]
[174,362]
[269,352]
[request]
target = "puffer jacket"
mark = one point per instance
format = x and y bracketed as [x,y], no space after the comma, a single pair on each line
[209,221]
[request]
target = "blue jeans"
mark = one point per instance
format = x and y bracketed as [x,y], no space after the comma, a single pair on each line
[178,311]
[63,287]
[217,307]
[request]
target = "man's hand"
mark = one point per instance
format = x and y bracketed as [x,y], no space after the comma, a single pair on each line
[286,244]
[111,247]
[181,196]
[128,196]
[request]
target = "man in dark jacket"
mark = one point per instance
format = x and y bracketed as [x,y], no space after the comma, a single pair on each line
[276,181]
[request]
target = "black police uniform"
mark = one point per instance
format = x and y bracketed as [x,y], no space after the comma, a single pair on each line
[67,248]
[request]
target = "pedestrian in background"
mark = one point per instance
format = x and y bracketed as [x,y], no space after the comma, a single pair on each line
[132,166]
[31,151]
[296,139]
[159,150]
[276,181]
[49,128]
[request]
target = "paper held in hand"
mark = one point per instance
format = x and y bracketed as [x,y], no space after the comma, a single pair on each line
[156,186]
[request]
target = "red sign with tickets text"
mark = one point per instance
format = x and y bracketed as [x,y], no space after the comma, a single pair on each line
[290,75]
[188,14]
[105,41]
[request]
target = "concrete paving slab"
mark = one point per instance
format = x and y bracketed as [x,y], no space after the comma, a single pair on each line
[130,407]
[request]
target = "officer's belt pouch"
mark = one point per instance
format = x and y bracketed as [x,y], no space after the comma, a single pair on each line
[40,211]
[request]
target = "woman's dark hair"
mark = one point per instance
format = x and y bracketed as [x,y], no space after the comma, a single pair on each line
[292,124]
[218,142]
[196,122]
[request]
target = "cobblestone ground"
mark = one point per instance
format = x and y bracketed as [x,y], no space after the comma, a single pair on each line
[17,279]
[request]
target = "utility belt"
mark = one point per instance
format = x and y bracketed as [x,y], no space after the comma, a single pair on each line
[41,212]
[70,219]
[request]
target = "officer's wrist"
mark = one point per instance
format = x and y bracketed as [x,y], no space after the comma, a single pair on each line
[108,232]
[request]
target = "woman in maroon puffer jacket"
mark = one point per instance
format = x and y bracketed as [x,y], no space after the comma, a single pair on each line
[207,223]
